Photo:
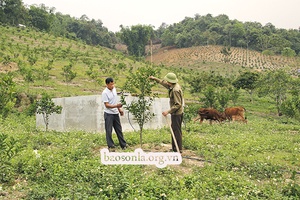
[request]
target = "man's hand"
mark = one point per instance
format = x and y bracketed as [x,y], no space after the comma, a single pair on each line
[121,112]
[165,113]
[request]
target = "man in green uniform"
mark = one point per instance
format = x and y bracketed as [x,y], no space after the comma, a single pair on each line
[170,82]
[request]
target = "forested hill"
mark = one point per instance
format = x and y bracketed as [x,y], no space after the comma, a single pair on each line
[43,18]
[191,31]
[220,30]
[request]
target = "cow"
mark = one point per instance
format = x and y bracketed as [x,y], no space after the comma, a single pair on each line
[235,114]
[209,114]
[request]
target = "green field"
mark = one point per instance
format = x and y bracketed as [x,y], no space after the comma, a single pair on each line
[257,160]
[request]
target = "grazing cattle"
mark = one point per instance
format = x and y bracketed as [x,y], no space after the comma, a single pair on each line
[209,114]
[235,114]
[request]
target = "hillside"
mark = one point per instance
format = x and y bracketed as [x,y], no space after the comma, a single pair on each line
[44,56]
[257,160]
[27,51]
[198,58]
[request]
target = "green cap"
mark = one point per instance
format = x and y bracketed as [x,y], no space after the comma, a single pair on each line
[171,77]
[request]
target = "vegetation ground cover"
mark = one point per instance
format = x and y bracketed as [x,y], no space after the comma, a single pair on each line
[258,160]
[241,161]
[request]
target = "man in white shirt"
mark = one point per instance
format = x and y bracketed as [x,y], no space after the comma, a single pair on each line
[112,109]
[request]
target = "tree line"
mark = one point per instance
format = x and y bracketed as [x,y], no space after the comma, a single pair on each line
[220,30]
[43,18]
[191,31]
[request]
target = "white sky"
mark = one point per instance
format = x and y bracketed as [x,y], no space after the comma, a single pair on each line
[113,13]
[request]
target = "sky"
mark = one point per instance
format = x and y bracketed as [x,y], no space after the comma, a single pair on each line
[113,13]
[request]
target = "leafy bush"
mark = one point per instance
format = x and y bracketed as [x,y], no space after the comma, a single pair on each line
[9,147]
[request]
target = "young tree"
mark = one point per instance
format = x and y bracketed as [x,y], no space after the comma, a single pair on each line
[7,91]
[275,84]
[291,107]
[247,81]
[138,82]
[46,107]
[94,74]
[68,73]
[223,96]
[288,52]
[28,75]
[43,74]
[210,97]
[226,52]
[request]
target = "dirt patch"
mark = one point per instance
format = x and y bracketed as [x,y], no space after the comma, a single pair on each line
[10,67]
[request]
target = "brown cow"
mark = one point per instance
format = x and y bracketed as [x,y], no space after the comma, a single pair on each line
[235,113]
[209,114]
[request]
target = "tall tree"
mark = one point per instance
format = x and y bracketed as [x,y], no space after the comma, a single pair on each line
[12,12]
[40,18]
[136,38]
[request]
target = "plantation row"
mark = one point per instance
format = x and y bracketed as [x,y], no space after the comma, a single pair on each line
[237,56]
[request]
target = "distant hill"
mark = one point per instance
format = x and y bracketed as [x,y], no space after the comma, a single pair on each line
[200,56]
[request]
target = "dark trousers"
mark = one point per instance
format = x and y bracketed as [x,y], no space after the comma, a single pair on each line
[176,121]
[113,121]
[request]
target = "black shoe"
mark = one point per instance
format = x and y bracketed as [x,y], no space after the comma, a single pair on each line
[124,148]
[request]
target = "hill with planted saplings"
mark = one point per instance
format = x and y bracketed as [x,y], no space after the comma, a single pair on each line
[208,57]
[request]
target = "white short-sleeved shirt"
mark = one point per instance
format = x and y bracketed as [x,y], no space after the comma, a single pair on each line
[110,96]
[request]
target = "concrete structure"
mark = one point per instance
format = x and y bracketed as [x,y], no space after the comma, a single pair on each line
[86,113]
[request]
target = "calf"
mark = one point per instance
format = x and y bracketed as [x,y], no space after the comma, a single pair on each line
[209,114]
[235,113]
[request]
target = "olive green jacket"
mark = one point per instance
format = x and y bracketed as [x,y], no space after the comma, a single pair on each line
[176,97]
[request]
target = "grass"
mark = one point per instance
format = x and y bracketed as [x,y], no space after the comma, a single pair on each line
[240,161]
[258,160]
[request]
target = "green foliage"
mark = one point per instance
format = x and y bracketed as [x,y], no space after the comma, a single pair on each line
[190,110]
[46,107]
[28,75]
[9,147]
[276,84]
[139,82]
[11,12]
[210,97]
[136,38]
[288,52]
[236,161]
[223,97]
[291,106]
[268,53]
[68,73]
[247,81]
[43,74]
[292,190]
[199,82]
[93,74]
[7,94]
[40,17]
